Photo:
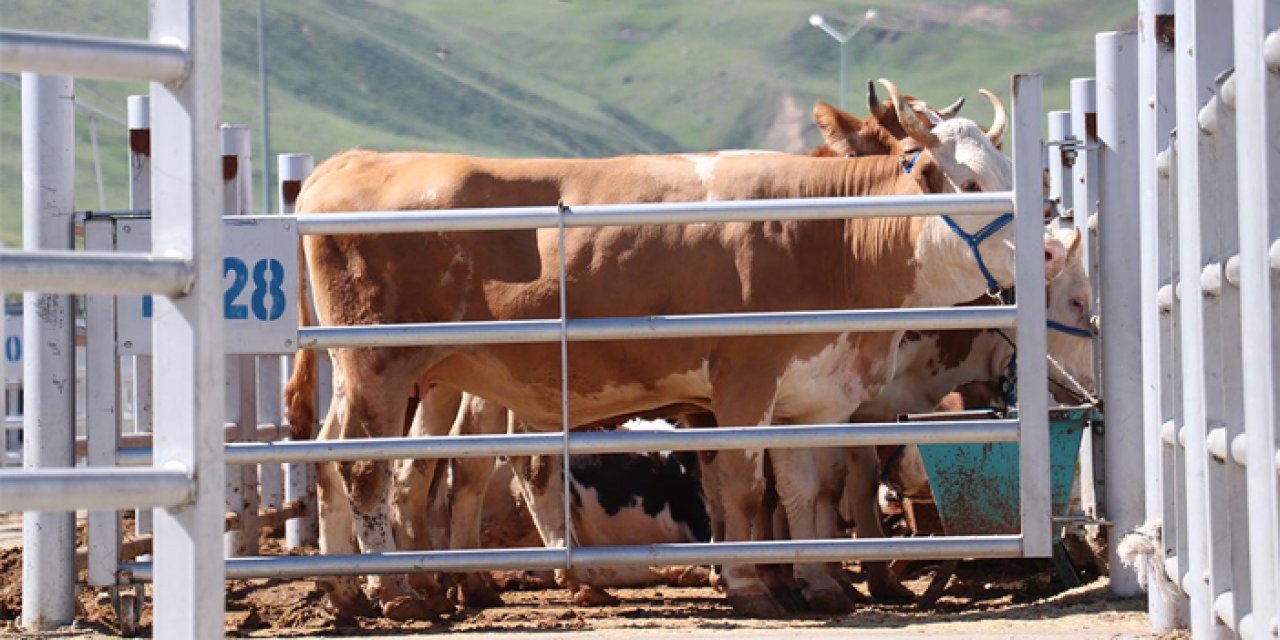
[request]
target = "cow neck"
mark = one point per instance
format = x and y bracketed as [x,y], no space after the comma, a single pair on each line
[946,271]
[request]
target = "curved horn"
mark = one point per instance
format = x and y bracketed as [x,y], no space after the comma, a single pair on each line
[910,123]
[952,109]
[874,106]
[996,133]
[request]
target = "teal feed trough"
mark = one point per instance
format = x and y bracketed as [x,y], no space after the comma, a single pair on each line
[976,485]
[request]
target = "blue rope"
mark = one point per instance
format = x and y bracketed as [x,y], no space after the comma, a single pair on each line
[909,164]
[1070,330]
[973,240]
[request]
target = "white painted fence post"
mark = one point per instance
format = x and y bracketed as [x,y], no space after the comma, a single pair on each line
[139,116]
[1118,232]
[1203,51]
[241,386]
[1155,103]
[300,484]
[102,415]
[186,221]
[1033,401]
[48,203]
[1084,197]
[1258,112]
[1060,188]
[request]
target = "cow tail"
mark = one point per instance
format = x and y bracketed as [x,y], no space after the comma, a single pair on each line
[300,393]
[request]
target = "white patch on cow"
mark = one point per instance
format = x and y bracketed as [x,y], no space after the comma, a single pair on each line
[827,384]
[593,526]
[640,424]
[430,195]
[704,165]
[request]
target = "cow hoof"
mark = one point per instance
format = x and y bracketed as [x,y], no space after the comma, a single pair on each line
[693,577]
[589,596]
[406,608]
[480,596]
[756,605]
[851,592]
[890,591]
[441,604]
[346,599]
[789,598]
[829,600]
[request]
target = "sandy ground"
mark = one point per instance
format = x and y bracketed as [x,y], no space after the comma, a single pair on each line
[991,599]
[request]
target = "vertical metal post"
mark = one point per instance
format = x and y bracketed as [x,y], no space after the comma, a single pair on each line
[1060,188]
[1200,56]
[299,477]
[1155,104]
[186,221]
[241,388]
[1084,174]
[1118,232]
[48,201]
[1033,401]
[139,114]
[1258,112]
[102,415]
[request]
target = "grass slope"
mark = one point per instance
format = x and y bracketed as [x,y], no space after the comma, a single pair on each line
[566,77]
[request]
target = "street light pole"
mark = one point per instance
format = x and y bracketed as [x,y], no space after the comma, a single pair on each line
[843,38]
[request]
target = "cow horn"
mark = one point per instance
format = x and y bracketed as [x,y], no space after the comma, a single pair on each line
[948,112]
[996,133]
[874,106]
[910,123]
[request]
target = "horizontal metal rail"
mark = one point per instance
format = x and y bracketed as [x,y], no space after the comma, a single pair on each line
[512,218]
[103,488]
[657,327]
[59,271]
[536,559]
[92,56]
[596,442]
[265,431]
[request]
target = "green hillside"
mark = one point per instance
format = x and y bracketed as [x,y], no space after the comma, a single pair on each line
[566,77]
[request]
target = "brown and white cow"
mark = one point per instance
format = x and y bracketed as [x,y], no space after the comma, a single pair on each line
[629,271]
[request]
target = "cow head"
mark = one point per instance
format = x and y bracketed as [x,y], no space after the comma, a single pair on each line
[844,134]
[968,160]
[1068,304]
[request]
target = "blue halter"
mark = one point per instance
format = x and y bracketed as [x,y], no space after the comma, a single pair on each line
[973,240]
[1070,330]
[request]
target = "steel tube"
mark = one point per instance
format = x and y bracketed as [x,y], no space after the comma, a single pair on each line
[102,411]
[70,489]
[92,56]
[1258,188]
[1119,230]
[535,559]
[656,327]
[510,218]
[1200,55]
[64,271]
[595,442]
[190,368]
[49,368]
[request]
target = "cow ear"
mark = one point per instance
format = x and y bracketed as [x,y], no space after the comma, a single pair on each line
[837,127]
[1073,247]
[1055,258]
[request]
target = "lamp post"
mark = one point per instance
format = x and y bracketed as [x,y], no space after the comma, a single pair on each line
[843,38]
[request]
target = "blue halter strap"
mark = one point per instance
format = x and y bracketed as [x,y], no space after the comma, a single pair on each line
[893,459]
[1070,330]
[974,240]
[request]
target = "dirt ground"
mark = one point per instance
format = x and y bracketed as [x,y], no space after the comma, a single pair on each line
[983,600]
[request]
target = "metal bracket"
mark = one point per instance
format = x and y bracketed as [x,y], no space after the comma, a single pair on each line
[126,600]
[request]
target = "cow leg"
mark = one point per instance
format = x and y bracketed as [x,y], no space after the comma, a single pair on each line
[375,408]
[862,483]
[471,478]
[414,487]
[801,490]
[337,528]
[541,484]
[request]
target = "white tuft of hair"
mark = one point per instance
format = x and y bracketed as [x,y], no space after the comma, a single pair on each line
[640,424]
[1143,551]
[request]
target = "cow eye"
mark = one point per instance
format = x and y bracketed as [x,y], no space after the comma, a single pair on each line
[1077,305]
[971,187]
